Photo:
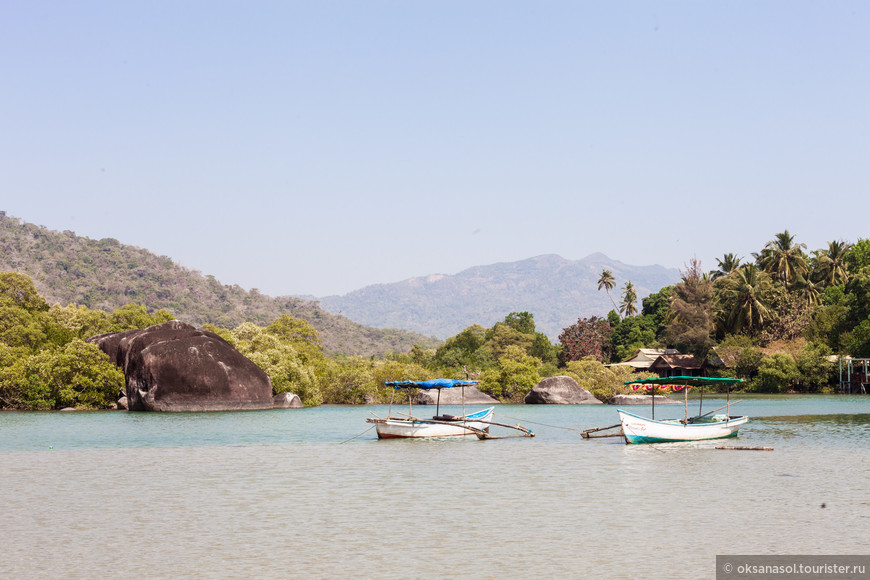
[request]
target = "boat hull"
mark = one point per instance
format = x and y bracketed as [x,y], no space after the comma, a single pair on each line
[638,429]
[395,428]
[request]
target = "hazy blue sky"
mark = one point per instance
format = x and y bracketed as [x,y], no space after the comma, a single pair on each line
[318,147]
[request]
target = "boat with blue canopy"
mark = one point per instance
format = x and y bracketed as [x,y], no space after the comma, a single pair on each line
[407,426]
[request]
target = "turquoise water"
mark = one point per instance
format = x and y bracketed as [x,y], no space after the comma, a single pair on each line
[311,493]
[85,430]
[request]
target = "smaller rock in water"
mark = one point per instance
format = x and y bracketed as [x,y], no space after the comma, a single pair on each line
[454,396]
[560,390]
[287,401]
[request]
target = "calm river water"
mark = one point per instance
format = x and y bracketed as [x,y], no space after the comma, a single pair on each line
[292,494]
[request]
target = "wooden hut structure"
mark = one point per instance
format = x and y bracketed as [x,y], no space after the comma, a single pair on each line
[677,365]
[643,358]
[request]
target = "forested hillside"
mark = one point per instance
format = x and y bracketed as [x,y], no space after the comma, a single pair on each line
[106,274]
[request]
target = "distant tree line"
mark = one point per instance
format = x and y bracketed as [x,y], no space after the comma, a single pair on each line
[46,362]
[775,320]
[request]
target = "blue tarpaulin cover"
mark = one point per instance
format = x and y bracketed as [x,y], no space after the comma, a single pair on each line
[433,384]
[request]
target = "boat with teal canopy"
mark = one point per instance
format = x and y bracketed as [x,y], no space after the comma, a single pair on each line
[700,427]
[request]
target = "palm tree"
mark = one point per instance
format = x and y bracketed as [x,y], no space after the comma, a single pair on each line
[629,297]
[727,264]
[809,292]
[607,281]
[690,313]
[831,264]
[783,259]
[744,299]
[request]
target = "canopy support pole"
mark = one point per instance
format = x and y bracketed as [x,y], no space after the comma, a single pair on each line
[686,402]
[728,405]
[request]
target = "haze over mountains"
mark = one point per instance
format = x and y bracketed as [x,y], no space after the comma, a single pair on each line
[106,274]
[556,290]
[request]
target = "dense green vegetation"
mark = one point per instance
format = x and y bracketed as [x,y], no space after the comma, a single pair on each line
[775,320]
[106,275]
[45,362]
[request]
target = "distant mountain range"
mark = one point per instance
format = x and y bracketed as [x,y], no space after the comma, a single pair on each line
[555,290]
[106,274]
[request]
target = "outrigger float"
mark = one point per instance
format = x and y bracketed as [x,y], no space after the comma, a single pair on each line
[701,427]
[476,424]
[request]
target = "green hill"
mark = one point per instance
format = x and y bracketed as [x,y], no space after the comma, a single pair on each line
[106,274]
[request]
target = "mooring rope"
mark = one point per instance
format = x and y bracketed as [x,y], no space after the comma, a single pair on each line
[360,435]
[542,424]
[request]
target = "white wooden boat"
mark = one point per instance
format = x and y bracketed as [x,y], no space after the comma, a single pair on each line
[439,426]
[637,429]
[475,424]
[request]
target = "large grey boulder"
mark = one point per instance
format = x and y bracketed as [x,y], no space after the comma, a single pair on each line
[641,400]
[454,395]
[110,343]
[175,367]
[560,391]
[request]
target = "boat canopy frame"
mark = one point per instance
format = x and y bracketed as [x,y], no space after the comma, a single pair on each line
[437,384]
[684,383]
[431,384]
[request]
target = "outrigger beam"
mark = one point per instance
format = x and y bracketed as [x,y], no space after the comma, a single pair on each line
[588,433]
